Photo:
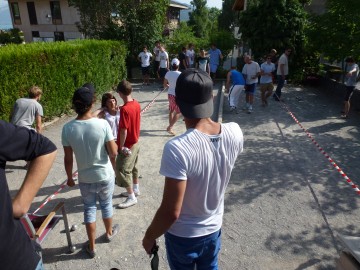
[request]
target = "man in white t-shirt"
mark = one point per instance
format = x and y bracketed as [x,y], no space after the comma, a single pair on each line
[197,167]
[145,57]
[164,63]
[190,56]
[282,72]
[170,82]
[266,80]
[251,72]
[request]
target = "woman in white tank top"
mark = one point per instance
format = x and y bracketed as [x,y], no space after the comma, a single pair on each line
[109,111]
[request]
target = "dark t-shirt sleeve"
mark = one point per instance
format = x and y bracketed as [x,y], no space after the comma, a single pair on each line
[19,143]
[16,143]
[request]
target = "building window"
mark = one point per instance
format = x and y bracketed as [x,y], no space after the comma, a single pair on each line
[55,12]
[35,34]
[16,12]
[59,36]
[32,12]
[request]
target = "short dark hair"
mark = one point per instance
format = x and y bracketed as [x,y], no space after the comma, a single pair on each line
[350,59]
[124,87]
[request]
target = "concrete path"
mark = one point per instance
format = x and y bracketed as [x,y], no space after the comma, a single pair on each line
[284,206]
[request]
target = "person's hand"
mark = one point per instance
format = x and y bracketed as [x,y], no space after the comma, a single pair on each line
[70,182]
[148,244]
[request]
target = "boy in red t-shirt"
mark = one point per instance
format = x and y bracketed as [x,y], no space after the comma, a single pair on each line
[127,141]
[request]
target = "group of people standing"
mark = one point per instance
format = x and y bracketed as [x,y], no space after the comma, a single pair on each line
[197,167]
[248,79]
[207,61]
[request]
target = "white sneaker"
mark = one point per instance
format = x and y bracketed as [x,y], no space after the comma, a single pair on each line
[232,108]
[125,194]
[127,203]
[250,109]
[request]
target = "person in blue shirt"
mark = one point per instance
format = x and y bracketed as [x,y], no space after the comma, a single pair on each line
[215,57]
[235,83]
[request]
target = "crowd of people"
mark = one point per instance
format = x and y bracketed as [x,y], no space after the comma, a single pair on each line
[197,164]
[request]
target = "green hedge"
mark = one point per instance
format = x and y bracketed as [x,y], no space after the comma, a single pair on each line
[58,69]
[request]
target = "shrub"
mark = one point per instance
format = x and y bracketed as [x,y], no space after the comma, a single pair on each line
[58,69]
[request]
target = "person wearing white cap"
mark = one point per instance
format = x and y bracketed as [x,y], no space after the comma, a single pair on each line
[197,167]
[170,82]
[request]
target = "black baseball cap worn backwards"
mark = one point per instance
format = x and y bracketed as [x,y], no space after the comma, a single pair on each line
[84,96]
[194,94]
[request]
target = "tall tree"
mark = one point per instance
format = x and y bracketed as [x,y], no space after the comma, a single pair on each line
[336,33]
[227,18]
[123,20]
[280,23]
[199,18]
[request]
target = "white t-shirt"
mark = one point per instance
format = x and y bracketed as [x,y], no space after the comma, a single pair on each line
[163,59]
[351,81]
[267,68]
[190,54]
[113,121]
[156,53]
[250,71]
[87,139]
[283,60]
[205,162]
[172,77]
[145,58]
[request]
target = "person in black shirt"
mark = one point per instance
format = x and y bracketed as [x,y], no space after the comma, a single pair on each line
[182,59]
[17,251]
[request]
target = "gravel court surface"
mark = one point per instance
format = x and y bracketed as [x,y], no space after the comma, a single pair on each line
[284,205]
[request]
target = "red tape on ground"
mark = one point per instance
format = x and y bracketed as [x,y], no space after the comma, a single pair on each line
[348,180]
[53,195]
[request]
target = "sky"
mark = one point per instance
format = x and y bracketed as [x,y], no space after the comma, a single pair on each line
[210,3]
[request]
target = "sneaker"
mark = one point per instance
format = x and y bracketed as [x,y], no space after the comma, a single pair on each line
[125,194]
[92,253]
[127,203]
[115,230]
[249,109]
[232,108]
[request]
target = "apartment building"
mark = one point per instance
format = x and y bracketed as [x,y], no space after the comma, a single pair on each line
[44,20]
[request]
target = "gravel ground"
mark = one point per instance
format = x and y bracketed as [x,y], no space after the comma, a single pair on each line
[284,206]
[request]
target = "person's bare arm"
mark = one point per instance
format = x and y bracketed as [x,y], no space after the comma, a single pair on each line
[123,135]
[35,177]
[111,148]
[38,123]
[168,212]
[227,85]
[68,163]
[166,83]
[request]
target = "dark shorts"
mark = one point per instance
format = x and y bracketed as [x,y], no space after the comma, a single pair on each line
[162,72]
[250,88]
[145,70]
[156,66]
[349,92]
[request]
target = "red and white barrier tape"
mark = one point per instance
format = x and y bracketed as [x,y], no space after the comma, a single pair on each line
[348,180]
[149,105]
[53,195]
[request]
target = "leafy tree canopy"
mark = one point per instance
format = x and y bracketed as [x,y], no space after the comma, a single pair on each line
[199,18]
[336,33]
[136,22]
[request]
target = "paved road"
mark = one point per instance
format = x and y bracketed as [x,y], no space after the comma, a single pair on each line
[284,206]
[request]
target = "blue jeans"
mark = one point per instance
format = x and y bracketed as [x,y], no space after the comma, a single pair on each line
[90,192]
[184,253]
[40,265]
[280,85]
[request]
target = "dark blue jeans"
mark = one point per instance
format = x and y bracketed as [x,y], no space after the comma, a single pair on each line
[280,85]
[184,253]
